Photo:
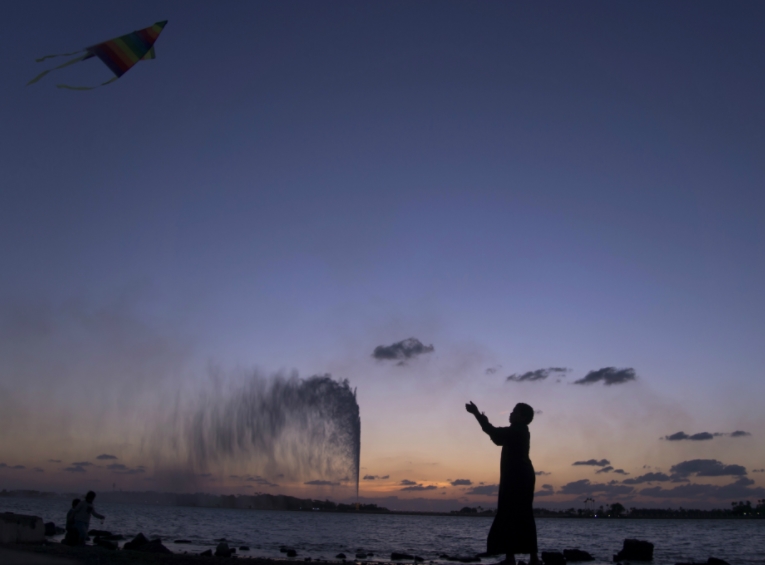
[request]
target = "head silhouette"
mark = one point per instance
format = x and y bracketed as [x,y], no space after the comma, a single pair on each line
[522,414]
[90,496]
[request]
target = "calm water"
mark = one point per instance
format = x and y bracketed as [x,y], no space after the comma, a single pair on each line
[323,535]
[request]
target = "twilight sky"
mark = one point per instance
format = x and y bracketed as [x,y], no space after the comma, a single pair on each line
[290,185]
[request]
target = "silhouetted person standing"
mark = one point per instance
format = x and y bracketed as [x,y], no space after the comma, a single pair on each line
[82,513]
[514,530]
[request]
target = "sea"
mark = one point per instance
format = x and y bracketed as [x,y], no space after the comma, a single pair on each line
[323,535]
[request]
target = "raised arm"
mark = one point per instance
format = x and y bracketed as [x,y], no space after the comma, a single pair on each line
[495,434]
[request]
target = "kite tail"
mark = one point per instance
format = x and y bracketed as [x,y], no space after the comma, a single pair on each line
[111,80]
[70,62]
[41,59]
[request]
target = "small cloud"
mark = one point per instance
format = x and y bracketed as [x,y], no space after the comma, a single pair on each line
[233,476]
[706,468]
[322,483]
[547,490]
[420,487]
[38,470]
[74,469]
[680,436]
[541,473]
[258,480]
[621,472]
[537,375]
[401,350]
[105,456]
[606,469]
[117,467]
[54,460]
[461,482]
[758,471]
[492,370]
[82,463]
[608,376]
[584,486]
[384,477]
[647,478]
[740,433]
[740,489]
[485,490]
[593,462]
[369,477]
[407,482]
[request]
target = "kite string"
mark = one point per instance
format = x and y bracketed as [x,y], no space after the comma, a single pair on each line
[111,80]
[41,59]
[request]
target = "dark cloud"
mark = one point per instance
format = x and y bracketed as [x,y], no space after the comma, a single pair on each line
[706,468]
[593,462]
[608,376]
[401,350]
[541,473]
[420,487]
[233,476]
[739,489]
[621,472]
[461,482]
[538,375]
[54,460]
[606,469]
[492,370]
[105,456]
[758,471]
[38,470]
[547,490]
[369,477]
[82,463]
[117,467]
[701,436]
[584,486]
[740,433]
[75,469]
[407,482]
[318,483]
[486,490]
[258,480]
[647,478]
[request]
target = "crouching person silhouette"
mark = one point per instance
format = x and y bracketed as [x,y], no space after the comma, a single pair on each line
[514,530]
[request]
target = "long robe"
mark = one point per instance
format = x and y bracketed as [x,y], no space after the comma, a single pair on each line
[514,529]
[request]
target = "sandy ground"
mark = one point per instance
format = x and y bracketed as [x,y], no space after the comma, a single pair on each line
[59,554]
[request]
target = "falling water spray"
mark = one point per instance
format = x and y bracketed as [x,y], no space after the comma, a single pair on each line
[282,426]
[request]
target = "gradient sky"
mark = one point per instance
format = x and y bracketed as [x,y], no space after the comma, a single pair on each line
[291,184]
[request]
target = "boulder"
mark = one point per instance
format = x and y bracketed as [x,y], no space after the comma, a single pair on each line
[206,553]
[244,548]
[138,541]
[635,550]
[291,553]
[716,561]
[182,541]
[395,556]
[577,555]
[418,559]
[361,555]
[154,546]
[340,556]
[50,528]
[19,528]
[99,533]
[223,550]
[553,558]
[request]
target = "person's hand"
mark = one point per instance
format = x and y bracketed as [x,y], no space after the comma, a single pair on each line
[472,408]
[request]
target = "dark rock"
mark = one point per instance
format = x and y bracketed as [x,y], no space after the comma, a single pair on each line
[50,529]
[635,550]
[370,554]
[284,549]
[154,546]
[418,559]
[114,537]
[223,550]
[460,558]
[361,556]
[244,548]
[577,555]
[716,561]
[291,553]
[138,541]
[340,556]
[206,553]
[220,540]
[60,530]
[395,556]
[182,541]
[108,544]
[99,533]
[308,559]
[553,558]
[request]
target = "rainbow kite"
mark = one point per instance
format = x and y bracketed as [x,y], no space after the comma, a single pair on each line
[119,54]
